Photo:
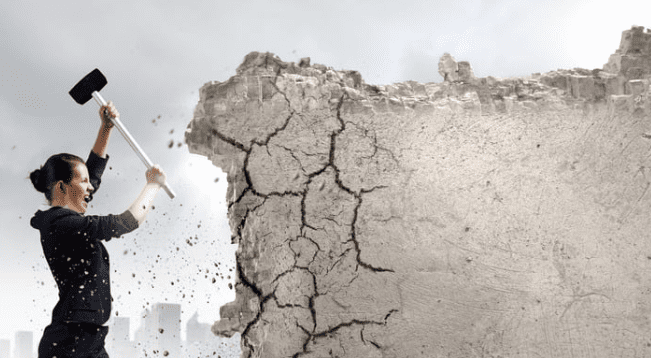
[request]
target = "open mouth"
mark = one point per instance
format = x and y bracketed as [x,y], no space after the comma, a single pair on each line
[87,199]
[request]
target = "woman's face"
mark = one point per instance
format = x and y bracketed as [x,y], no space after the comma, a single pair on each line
[78,189]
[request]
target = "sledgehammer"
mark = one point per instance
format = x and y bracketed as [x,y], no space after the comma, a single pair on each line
[88,88]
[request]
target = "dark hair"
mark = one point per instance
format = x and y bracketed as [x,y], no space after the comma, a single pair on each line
[57,167]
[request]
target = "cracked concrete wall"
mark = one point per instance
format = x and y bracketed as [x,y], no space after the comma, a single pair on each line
[633,57]
[504,219]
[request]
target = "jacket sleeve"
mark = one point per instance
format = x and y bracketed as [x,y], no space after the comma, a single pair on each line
[96,227]
[96,166]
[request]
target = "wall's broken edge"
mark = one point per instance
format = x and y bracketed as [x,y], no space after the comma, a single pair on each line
[383,221]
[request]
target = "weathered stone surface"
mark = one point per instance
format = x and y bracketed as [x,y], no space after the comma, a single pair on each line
[448,68]
[465,72]
[491,218]
[636,42]
[633,57]
[637,87]
[237,315]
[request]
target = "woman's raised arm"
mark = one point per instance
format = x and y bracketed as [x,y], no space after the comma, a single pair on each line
[101,143]
[140,207]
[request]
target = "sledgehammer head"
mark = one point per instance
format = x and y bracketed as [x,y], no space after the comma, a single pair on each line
[83,90]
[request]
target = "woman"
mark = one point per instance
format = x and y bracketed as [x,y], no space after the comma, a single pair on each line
[72,244]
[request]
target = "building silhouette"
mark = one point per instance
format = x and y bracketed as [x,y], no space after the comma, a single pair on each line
[24,344]
[159,335]
[118,341]
[200,341]
[141,336]
[5,348]
[166,325]
[197,332]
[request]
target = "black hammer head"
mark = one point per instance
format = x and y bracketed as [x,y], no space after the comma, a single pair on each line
[83,90]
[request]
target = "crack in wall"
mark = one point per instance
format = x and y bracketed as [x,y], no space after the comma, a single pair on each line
[245,333]
[278,130]
[228,140]
[326,333]
[250,187]
[251,199]
[358,197]
[319,166]
[313,335]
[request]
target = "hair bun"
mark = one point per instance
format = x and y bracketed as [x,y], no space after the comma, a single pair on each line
[37,180]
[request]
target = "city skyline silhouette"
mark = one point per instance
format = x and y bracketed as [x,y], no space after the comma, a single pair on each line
[158,334]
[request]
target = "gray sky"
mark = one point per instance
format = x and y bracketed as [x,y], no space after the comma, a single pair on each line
[156,57]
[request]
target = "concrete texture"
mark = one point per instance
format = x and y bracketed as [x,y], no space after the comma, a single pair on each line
[483,218]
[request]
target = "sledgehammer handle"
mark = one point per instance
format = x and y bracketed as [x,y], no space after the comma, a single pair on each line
[132,142]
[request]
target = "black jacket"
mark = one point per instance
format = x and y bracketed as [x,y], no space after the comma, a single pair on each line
[76,256]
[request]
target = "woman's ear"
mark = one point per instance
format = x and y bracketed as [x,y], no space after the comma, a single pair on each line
[60,185]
